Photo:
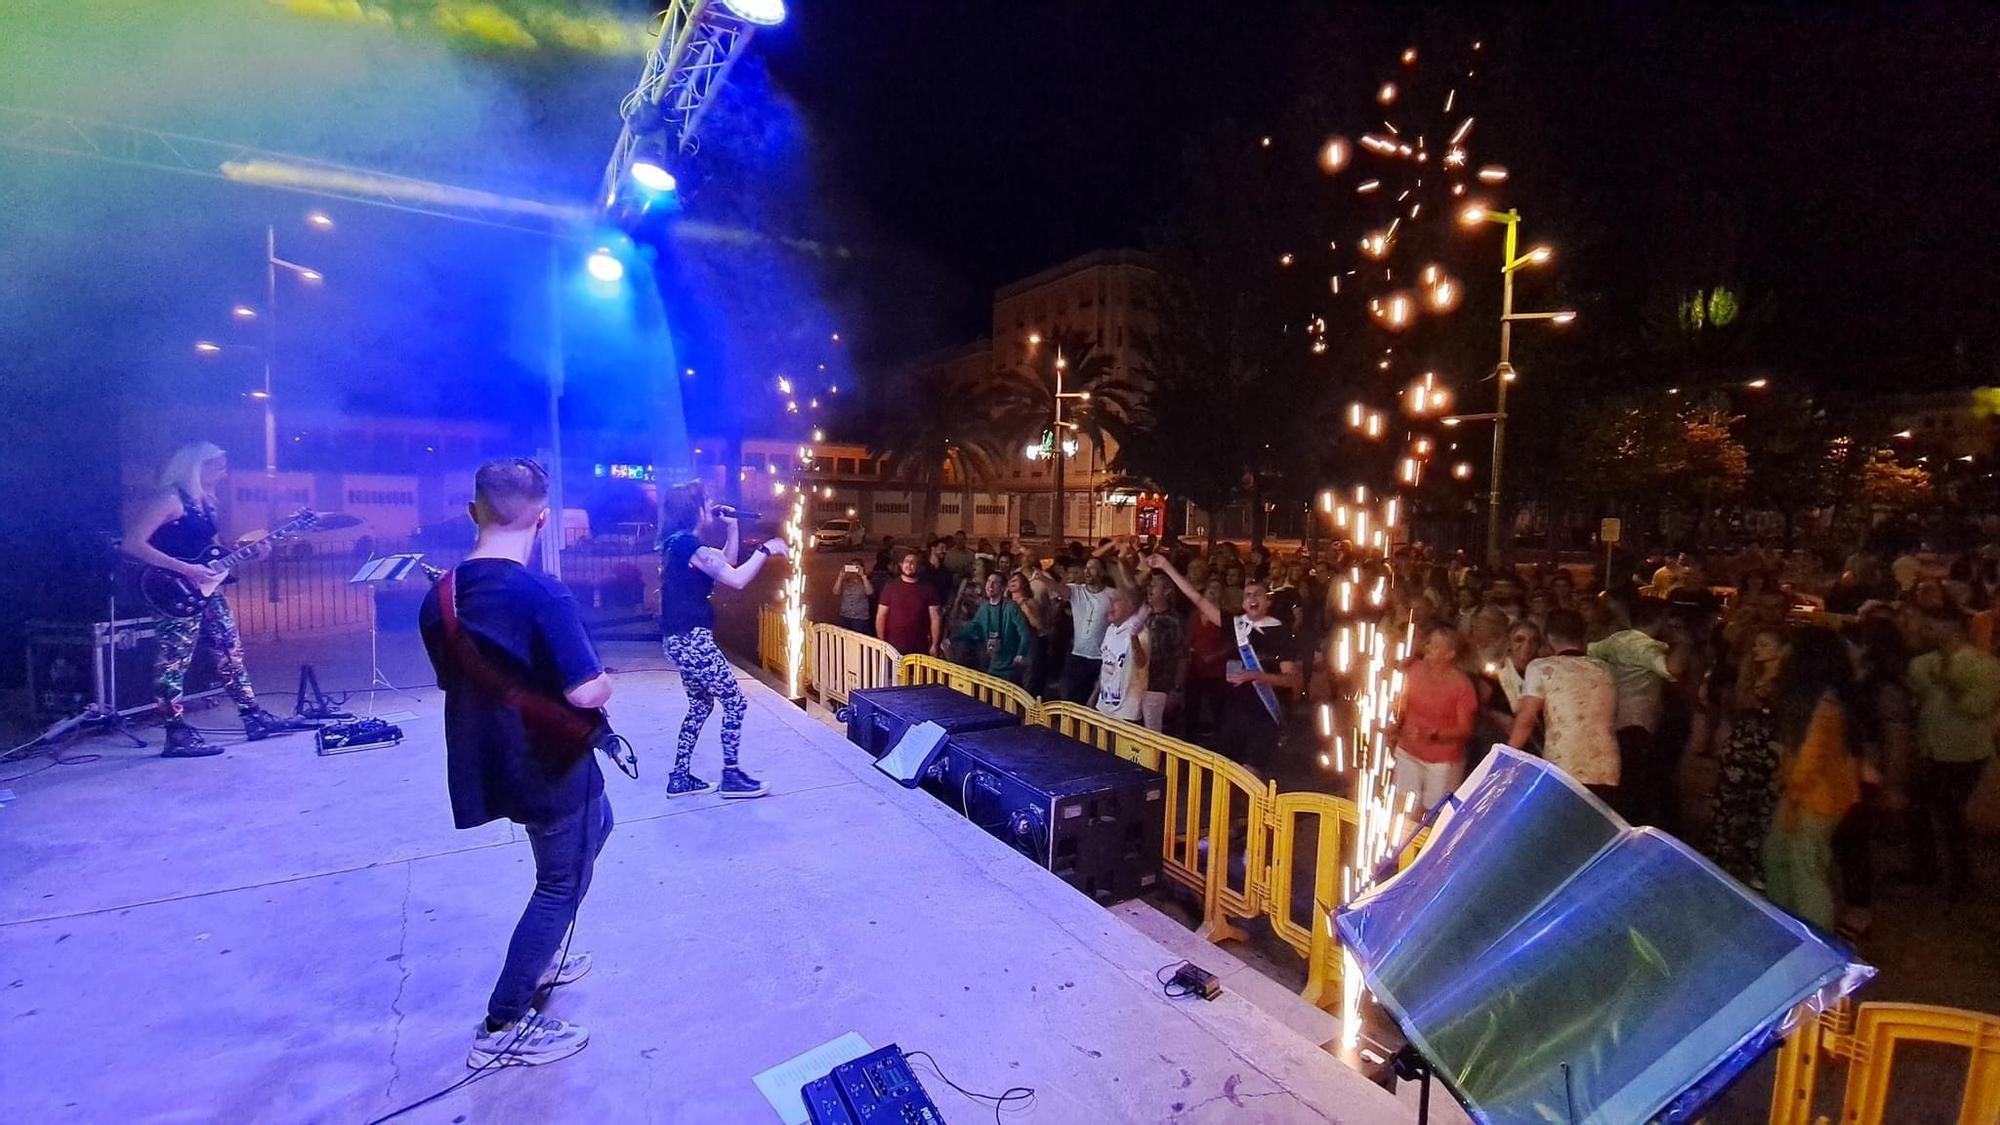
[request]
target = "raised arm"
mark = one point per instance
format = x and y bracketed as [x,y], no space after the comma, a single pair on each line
[710,561]
[733,544]
[1209,610]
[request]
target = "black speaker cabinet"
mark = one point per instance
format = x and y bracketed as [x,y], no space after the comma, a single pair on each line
[74,664]
[877,717]
[1095,820]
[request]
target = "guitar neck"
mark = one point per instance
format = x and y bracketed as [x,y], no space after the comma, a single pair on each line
[243,553]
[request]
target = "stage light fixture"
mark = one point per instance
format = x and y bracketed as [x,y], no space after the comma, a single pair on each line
[649,174]
[604,266]
[763,13]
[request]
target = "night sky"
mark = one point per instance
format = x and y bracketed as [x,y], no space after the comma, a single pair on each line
[1836,167]
[1834,170]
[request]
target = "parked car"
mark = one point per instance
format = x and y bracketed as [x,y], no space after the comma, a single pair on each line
[838,534]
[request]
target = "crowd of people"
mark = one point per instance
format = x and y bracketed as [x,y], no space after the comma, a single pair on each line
[1801,734]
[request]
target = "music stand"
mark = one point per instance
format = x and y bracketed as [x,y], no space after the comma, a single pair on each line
[374,573]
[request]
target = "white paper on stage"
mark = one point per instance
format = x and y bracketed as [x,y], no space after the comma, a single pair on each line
[781,1084]
[1549,960]
[912,754]
[387,568]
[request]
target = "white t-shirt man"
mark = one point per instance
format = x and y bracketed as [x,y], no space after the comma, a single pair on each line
[1579,707]
[1089,611]
[1121,679]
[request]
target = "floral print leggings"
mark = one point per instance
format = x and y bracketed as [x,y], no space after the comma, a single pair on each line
[708,679]
[178,637]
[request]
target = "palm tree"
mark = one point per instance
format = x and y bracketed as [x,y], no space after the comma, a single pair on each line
[1022,402]
[943,434]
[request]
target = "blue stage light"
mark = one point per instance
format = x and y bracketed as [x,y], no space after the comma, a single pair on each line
[651,176]
[604,266]
[768,13]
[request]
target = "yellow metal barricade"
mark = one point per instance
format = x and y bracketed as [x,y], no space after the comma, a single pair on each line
[987,689]
[771,640]
[1212,806]
[1129,741]
[1868,1037]
[1334,822]
[844,662]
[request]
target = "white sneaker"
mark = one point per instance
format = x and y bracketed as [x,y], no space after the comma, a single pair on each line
[572,967]
[532,1040]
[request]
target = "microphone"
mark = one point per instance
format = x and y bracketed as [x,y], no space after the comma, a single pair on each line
[731,512]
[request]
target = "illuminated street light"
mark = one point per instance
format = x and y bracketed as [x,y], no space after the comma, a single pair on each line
[320,219]
[1034,339]
[1758,384]
[243,312]
[1903,435]
[207,347]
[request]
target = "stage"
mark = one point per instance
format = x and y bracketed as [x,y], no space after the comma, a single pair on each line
[270,935]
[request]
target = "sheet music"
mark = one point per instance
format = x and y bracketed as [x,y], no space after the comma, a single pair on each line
[387,568]
[781,1084]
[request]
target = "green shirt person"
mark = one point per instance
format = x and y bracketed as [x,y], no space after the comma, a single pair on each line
[999,627]
[1958,697]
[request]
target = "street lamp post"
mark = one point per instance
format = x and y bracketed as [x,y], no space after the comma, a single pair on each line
[1503,374]
[1059,448]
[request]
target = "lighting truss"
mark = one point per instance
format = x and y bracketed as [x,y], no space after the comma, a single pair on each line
[699,41]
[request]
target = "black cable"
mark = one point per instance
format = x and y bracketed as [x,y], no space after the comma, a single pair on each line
[1167,986]
[1023,1094]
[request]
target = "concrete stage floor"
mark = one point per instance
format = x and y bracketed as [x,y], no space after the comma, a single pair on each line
[269,935]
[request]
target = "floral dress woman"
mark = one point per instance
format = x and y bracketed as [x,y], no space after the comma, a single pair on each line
[1746,791]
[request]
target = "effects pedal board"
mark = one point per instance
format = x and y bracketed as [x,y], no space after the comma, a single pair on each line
[876,1089]
[356,734]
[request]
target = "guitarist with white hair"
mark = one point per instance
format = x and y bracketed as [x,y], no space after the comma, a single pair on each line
[175,526]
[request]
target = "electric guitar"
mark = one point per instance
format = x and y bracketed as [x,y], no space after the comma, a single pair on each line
[171,595]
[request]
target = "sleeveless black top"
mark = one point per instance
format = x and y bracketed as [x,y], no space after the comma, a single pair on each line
[683,589]
[189,536]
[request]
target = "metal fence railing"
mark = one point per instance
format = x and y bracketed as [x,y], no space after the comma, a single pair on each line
[291,596]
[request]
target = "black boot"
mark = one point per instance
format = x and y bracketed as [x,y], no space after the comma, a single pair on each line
[259,724]
[183,741]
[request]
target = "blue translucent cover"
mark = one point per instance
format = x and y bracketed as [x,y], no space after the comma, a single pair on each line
[1554,964]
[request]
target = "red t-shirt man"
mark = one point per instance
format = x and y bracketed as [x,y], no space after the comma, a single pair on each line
[907,616]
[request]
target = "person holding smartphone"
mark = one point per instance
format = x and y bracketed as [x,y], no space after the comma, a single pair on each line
[856,594]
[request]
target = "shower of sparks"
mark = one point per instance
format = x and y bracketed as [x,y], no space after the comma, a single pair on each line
[1411,171]
[793,595]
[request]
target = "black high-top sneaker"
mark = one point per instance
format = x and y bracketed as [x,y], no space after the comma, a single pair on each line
[738,785]
[183,741]
[683,783]
[259,724]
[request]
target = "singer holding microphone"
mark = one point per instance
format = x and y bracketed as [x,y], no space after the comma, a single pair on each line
[689,570]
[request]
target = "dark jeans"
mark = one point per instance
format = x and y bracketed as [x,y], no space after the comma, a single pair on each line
[1079,678]
[1202,713]
[1642,791]
[565,855]
[861,625]
[1938,794]
[1854,850]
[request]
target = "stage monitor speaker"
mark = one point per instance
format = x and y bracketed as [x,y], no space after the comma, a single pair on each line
[70,666]
[877,717]
[1093,819]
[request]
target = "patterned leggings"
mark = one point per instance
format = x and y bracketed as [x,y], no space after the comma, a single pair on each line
[177,638]
[707,678]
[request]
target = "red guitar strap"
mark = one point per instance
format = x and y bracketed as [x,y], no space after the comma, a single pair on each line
[574,728]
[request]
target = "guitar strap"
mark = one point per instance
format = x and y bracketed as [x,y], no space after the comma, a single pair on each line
[571,728]
[1245,650]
